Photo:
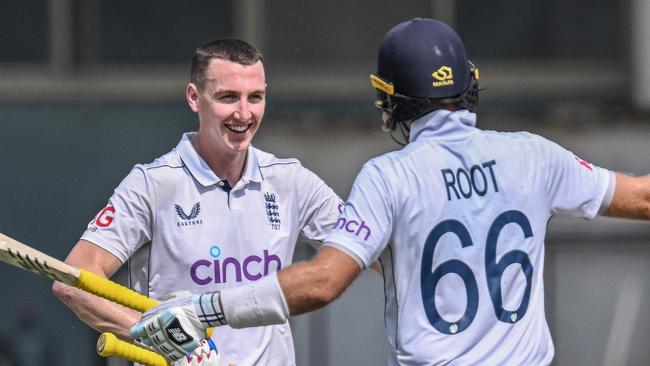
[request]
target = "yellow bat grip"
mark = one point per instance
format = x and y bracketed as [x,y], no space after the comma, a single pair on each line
[108,345]
[110,290]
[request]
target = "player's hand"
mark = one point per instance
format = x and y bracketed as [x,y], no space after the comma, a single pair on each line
[172,328]
[204,355]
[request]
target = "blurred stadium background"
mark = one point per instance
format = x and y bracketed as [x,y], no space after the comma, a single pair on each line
[90,87]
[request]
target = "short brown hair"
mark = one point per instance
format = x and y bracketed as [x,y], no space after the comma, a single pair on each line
[229,49]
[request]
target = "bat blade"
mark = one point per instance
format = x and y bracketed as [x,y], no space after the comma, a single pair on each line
[28,258]
[20,255]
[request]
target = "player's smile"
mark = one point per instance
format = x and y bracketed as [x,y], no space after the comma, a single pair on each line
[237,127]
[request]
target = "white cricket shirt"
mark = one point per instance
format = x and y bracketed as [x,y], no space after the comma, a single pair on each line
[457,219]
[181,231]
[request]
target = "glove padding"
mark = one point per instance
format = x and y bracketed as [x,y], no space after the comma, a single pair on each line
[204,355]
[172,329]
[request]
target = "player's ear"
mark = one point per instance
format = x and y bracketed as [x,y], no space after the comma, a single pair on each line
[192,96]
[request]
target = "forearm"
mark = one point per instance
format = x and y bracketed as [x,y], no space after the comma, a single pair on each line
[98,313]
[297,289]
[631,198]
[306,287]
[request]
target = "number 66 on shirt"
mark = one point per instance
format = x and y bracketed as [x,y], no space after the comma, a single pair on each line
[494,271]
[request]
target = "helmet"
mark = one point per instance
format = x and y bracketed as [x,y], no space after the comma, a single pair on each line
[421,65]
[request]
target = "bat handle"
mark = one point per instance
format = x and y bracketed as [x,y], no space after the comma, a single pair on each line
[103,287]
[109,345]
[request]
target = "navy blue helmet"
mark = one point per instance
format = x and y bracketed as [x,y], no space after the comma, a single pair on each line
[421,65]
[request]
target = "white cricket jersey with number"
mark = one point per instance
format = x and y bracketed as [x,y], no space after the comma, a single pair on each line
[457,219]
[180,230]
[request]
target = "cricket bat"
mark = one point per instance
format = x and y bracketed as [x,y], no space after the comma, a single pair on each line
[25,257]
[28,258]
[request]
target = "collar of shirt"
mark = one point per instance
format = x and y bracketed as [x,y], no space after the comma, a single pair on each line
[202,172]
[443,123]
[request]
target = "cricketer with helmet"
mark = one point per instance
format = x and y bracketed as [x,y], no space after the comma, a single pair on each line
[457,218]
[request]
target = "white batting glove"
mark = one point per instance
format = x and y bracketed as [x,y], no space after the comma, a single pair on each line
[175,327]
[204,355]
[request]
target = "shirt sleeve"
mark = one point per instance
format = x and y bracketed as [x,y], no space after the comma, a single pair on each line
[319,206]
[125,223]
[366,221]
[575,187]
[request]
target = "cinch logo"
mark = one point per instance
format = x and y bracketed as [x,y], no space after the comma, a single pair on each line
[444,75]
[191,218]
[354,227]
[229,269]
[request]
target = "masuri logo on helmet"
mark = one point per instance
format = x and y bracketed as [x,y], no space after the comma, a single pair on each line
[444,75]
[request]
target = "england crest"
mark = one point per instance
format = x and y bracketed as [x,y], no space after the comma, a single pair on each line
[272,212]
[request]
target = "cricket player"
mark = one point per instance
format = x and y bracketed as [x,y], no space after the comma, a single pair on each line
[457,219]
[212,214]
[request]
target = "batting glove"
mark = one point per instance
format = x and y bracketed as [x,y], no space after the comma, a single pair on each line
[175,327]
